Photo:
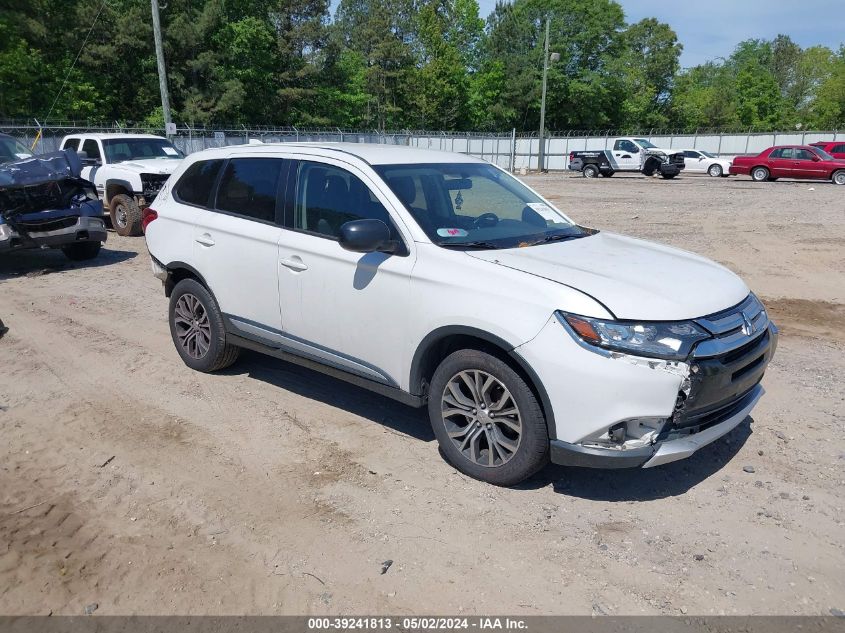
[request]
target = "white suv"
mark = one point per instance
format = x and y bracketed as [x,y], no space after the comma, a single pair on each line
[438,279]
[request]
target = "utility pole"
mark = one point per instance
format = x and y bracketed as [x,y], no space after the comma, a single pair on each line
[162,72]
[542,155]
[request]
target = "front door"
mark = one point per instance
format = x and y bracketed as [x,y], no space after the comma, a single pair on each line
[807,165]
[236,242]
[344,309]
[627,155]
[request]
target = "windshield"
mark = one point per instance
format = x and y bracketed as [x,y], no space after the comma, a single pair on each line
[473,205]
[644,143]
[119,149]
[11,150]
[822,154]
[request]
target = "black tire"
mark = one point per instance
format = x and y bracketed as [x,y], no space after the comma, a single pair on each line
[838,177]
[218,354]
[590,171]
[668,176]
[715,171]
[532,450]
[607,174]
[125,215]
[82,251]
[760,174]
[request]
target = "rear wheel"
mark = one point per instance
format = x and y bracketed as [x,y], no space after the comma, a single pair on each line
[590,171]
[125,215]
[759,174]
[486,419]
[668,176]
[838,177]
[196,326]
[82,251]
[715,171]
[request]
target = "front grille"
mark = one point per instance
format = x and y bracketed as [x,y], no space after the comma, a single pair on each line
[729,365]
[153,183]
[42,226]
[734,330]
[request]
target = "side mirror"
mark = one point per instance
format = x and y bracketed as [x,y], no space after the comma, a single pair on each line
[816,158]
[366,236]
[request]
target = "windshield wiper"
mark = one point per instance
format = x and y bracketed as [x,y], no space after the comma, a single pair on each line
[558,237]
[484,245]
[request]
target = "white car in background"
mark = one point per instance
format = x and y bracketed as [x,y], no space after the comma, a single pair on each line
[440,280]
[128,171]
[698,161]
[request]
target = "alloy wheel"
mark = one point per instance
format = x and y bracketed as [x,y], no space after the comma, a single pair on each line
[193,329]
[120,216]
[481,418]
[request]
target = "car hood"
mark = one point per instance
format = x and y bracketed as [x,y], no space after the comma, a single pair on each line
[633,278]
[150,165]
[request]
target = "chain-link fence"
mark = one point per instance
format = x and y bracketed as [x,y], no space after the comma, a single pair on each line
[510,150]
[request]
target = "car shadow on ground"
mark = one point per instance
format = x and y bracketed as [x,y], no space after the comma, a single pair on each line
[36,262]
[336,393]
[587,483]
[644,484]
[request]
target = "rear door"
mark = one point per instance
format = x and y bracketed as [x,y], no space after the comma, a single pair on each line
[236,242]
[781,162]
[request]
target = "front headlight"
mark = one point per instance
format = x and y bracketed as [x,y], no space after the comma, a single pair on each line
[666,340]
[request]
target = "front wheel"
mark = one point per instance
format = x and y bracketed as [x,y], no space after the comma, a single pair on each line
[196,326]
[486,419]
[125,215]
[591,171]
[82,251]
[759,174]
[668,176]
[838,177]
[715,171]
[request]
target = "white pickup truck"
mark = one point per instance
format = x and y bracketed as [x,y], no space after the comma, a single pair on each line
[128,171]
[628,154]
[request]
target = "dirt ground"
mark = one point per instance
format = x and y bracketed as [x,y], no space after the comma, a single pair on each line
[130,482]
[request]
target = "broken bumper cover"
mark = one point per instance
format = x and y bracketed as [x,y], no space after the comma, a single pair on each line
[82,229]
[664,452]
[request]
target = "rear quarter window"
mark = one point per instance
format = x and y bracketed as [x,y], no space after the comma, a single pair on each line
[196,184]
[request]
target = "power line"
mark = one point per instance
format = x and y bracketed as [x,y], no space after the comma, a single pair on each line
[73,65]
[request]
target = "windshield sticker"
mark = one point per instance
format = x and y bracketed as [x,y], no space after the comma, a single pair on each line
[545,211]
[459,201]
[170,151]
[452,233]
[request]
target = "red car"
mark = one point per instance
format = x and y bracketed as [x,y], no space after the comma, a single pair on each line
[791,161]
[834,148]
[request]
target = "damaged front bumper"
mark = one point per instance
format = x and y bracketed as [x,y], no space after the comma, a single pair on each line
[68,230]
[678,446]
[615,410]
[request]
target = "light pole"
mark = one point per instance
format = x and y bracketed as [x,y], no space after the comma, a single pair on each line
[162,73]
[546,59]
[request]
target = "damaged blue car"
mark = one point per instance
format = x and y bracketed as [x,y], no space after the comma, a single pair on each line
[44,203]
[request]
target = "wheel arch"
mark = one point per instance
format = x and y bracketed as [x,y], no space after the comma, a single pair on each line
[441,342]
[177,271]
[115,187]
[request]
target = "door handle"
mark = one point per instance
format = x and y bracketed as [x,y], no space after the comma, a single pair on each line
[294,263]
[205,240]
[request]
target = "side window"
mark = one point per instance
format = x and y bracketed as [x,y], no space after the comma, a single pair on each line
[71,143]
[691,154]
[839,149]
[195,185]
[91,148]
[327,197]
[249,187]
[626,146]
[804,154]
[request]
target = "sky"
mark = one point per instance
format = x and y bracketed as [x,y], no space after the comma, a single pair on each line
[712,28]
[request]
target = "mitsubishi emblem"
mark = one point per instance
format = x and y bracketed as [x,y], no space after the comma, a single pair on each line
[747,325]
